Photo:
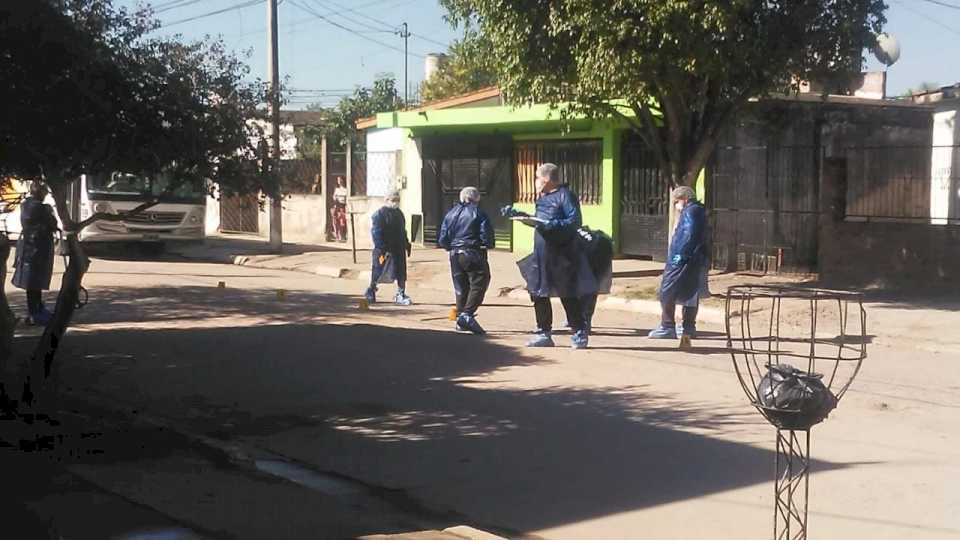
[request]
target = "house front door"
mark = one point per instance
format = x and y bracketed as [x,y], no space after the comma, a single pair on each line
[453,162]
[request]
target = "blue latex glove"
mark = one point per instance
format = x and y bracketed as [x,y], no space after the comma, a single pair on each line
[677,259]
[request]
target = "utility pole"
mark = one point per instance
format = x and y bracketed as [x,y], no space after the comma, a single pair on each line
[405,34]
[273,67]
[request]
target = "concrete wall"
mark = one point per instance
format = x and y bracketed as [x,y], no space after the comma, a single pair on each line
[885,254]
[304,220]
[890,254]
[944,158]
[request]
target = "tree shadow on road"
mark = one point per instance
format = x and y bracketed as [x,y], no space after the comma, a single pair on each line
[456,427]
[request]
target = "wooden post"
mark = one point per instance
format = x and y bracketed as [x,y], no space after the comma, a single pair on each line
[349,160]
[353,238]
[325,189]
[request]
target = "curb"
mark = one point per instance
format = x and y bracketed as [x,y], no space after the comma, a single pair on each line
[238,456]
[619,303]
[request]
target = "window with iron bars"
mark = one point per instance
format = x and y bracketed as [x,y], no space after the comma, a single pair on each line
[580,162]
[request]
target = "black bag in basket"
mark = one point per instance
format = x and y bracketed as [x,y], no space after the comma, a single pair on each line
[794,399]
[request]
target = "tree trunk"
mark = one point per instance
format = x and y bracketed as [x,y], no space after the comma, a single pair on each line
[41,361]
[8,322]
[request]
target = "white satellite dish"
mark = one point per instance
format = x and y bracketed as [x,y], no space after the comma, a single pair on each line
[887,50]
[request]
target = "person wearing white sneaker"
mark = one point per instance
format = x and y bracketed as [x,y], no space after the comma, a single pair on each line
[390,250]
[466,233]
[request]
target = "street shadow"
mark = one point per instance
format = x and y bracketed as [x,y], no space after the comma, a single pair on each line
[113,305]
[414,410]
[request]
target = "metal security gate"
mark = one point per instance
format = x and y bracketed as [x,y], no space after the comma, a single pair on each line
[644,202]
[240,214]
[451,163]
[764,205]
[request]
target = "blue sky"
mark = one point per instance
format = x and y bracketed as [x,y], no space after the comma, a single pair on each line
[324,58]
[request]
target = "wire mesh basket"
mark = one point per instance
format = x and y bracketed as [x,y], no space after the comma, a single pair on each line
[796,350]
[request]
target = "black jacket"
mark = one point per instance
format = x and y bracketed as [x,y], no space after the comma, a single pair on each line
[33,265]
[466,226]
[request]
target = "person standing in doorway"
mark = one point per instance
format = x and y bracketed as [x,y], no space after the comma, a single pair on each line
[558,266]
[467,234]
[339,211]
[33,265]
[390,250]
[684,279]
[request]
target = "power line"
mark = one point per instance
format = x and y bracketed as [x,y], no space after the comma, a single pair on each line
[344,9]
[311,11]
[342,15]
[301,22]
[382,23]
[164,5]
[428,40]
[212,13]
[182,3]
[943,4]
[929,18]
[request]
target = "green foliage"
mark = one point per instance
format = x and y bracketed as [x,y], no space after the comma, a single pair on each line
[365,102]
[467,68]
[923,87]
[88,91]
[699,62]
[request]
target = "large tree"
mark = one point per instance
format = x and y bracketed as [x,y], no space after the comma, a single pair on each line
[696,63]
[86,90]
[467,67]
[341,128]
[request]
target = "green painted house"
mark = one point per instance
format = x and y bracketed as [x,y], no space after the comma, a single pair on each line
[477,140]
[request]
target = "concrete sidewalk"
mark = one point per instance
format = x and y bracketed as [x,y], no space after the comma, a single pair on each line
[634,285]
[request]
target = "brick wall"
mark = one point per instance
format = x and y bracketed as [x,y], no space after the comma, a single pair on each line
[885,254]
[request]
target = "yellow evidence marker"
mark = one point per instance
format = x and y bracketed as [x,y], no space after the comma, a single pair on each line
[363,305]
[685,343]
[453,314]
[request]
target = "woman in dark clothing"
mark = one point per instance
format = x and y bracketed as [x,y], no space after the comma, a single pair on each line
[33,265]
[390,250]
[558,266]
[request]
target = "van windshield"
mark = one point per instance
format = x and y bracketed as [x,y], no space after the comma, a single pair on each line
[120,185]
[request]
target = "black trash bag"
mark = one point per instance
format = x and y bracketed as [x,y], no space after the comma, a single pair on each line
[794,399]
[599,248]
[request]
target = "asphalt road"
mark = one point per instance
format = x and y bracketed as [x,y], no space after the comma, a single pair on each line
[427,426]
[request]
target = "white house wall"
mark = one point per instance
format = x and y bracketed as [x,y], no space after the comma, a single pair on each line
[395,141]
[946,135]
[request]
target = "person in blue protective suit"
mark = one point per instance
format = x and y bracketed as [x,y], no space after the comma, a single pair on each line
[33,265]
[558,266]
[390,250]
[684,279]
[467,234]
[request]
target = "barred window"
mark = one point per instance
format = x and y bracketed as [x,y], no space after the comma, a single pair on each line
[580,162]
